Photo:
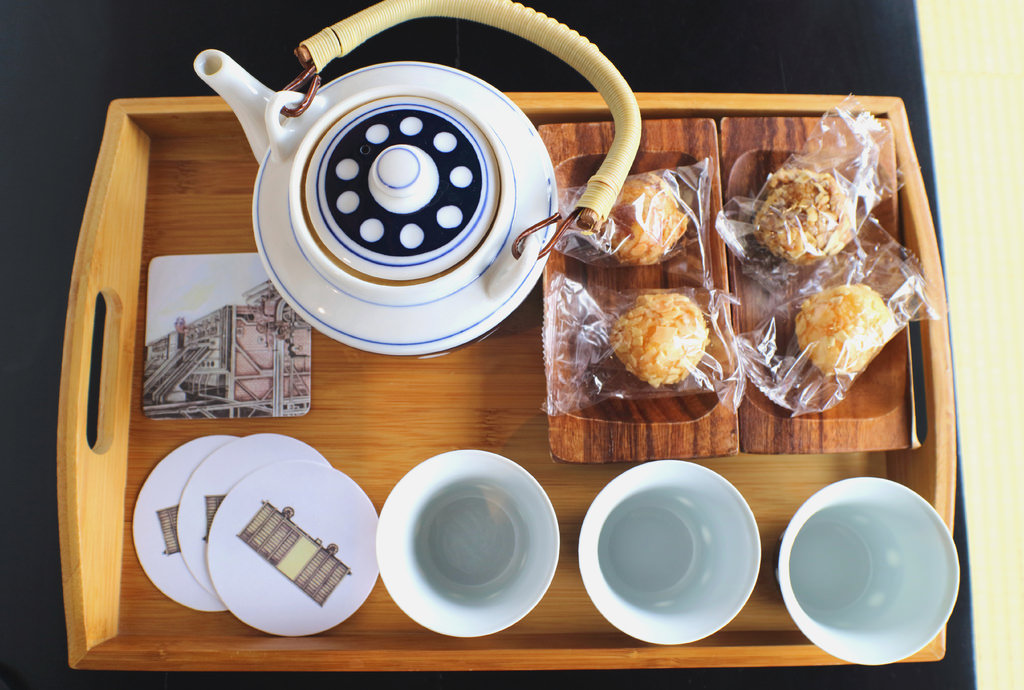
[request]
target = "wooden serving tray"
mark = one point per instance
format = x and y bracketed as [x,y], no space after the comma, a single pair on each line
[175,176]
[689,426]
[878,410]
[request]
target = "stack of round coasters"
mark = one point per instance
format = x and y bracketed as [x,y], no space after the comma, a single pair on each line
[154,525]
[262,526]
[292,551]
[214,478]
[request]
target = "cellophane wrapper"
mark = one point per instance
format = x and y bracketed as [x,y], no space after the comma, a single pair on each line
[772,357]
[660,216]
[583,370]
[777,246]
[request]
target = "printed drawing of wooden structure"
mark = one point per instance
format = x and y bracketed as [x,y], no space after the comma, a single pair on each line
[169,527]
[244,360]
[212,504]
[301,558]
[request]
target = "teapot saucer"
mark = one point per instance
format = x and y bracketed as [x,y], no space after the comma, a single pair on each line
[457,309]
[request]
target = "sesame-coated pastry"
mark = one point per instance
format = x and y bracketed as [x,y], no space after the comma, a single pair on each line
[844,327]
[648,220]
[662,338]
[804,216]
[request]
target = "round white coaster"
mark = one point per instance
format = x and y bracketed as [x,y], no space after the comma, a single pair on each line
[292,548]
[212,480]
[154,524]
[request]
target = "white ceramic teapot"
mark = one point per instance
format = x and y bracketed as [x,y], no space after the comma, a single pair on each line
[388,201]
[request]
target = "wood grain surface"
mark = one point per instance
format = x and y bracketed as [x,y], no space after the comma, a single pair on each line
[175,176]
[91,479]
[684,426]
[878,410]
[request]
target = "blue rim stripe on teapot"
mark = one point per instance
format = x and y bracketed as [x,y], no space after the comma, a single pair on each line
[324,326]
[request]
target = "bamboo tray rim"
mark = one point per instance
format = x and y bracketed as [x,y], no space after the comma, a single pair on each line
[91,484]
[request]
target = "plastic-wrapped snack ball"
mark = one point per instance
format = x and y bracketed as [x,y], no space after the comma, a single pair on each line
[648,220]
[804,216]
[844,327]
[661,338]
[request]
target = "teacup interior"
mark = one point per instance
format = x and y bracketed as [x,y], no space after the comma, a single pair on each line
[664,550]
[863,567]
[470,543]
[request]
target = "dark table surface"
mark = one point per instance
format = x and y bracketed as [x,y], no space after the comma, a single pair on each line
[62,62]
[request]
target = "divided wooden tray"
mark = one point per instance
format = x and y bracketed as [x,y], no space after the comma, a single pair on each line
[878,411]
[175,176]
[691,426]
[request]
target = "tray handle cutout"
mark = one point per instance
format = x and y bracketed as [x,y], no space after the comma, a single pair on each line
[103,368]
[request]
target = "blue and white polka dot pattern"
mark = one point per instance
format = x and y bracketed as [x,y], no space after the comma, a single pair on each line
[410,126]
[445,142]
[449,217]
[348,202]
[346,169]
[411,236]
[438,222]
[371,230]
[461,176]
[377,134]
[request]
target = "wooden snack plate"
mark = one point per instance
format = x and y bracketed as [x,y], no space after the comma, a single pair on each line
[175,176]
[687,426]
[878,410]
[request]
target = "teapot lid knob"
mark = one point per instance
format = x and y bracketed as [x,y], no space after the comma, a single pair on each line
[403,179]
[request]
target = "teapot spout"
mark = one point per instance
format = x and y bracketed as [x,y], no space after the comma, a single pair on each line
[247,97]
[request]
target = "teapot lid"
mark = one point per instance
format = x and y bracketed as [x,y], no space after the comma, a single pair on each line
[402,188]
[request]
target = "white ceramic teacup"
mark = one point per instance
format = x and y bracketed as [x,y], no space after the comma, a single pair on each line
[669,552]
[868,570]
[467,543]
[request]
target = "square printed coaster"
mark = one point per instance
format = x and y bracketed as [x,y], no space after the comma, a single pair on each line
[221,343]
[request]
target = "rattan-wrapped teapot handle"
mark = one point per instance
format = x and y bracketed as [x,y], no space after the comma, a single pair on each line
[579,53]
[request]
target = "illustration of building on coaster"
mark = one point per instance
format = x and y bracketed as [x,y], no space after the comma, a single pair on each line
[212,504]
[241,360]
[301,558]
[169,527]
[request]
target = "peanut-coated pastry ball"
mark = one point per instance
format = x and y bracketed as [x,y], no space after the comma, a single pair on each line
[648,220]
[804,216]
[844,327]
[661,339]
